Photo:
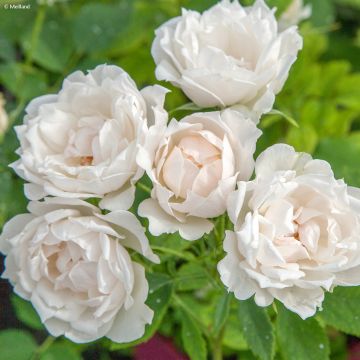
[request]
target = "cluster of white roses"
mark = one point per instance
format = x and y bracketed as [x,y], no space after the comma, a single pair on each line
[296,228]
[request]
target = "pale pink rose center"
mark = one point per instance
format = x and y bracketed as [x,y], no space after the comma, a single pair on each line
[193,164]
[68,267]
[302,227]
[97,140]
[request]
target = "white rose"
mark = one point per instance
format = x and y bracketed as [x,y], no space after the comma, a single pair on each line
[228,55]
[69,260]
[296,233]
[294,14]
[193,166]
[83,141]
[4,120]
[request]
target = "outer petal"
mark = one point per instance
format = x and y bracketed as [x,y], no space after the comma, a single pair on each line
[11,229]
[119,200]
[234,278]
[304,302]
[160,222]
[280,157]
[134,234]
[235,203]
[137,316]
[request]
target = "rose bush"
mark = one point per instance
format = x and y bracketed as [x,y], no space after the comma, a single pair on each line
[83,141]
[100,146]
[69,260]
[226,56]
[194,164]
[296,232]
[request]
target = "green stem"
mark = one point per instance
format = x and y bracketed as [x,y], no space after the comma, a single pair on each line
[42,348]
[143,187]
[188,106]
[172,252]
[39,21]
[217,346]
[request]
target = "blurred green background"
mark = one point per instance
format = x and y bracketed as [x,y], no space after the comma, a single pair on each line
[41,45]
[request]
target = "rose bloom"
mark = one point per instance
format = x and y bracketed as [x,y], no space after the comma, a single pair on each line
[228,55]
[296,233]
[194,164]
[83,141]
[70,262]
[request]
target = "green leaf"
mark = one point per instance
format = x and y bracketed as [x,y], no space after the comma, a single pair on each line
[174,99]
[323,12]
[343,47]
[352,3]
[16,345]
[12,199]
[13,25]
[170,245]
[24,82]
[158,280]
[300,339]
[97,25]
[303,139]
[7,49]
[26,313]
[342,154]
[61,351]
[222,311]
[193,341]
[342,311]
[147,16]
[348,88]
[233,336]
[191,277]
[257,329]
[55,35]
[170,241]
[141,59]
[158,300]
[199,310]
